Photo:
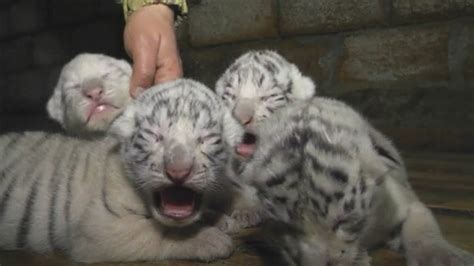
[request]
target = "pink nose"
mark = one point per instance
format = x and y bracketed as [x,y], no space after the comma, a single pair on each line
[244,111]
[178,175]
[94,93]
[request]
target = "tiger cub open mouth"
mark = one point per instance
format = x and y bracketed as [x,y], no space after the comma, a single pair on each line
[247,147]
[177,202]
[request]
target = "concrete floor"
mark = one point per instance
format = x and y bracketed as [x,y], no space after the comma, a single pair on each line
[443,181]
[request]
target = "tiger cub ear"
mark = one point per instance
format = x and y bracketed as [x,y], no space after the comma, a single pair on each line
[55,106]
[124,125]
[303,87]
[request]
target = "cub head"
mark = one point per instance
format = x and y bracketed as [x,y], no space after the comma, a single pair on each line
[174,144]
[91,92]
[257,84]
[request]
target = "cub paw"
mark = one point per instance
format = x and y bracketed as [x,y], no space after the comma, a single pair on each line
[439,254]
[211,243]
[247,217]
[228,225]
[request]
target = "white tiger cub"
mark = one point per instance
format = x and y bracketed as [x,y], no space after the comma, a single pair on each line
[330,195]
[95,203]
[255,86]
[92,90]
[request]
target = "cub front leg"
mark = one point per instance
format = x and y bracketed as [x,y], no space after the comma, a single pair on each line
[247,211]
[136,238]
[424,243]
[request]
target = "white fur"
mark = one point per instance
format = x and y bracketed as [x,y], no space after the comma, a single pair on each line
[69,105]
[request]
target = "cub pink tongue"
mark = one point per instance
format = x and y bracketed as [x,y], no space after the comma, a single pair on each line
[177,203]
[245,150]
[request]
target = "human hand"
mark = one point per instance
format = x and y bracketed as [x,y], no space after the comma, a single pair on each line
[150,41]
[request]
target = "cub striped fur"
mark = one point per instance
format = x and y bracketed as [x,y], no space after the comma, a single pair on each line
[109,200]
[330,196]
[258,84]
[91,92]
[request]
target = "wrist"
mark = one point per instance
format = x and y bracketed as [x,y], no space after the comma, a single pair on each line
[179,7]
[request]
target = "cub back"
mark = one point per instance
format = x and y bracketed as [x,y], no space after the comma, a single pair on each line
[315,170]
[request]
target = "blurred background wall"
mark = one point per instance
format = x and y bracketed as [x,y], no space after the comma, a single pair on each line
[408,65]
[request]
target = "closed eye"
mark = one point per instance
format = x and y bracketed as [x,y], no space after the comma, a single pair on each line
[72,86]
[156,136]
[273,96]
[211,139]
[229,95]
[104,76]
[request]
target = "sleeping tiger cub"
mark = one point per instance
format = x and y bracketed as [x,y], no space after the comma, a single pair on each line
[92,90]
[330,196]
[140,198]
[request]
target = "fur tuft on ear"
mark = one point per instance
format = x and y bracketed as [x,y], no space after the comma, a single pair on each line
[303,87]
[55,106]
[124,125]
[124,66]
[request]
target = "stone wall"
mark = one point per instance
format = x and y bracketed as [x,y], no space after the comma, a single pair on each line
[408,65]
[36,38]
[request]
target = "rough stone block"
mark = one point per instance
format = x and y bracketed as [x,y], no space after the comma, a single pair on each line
[28,122]
[103,36]
[4,23]
[469,54]
[72,11]
[423,10]
[110,8]
[415,107]
[215,21]
[418,53]
[308,53]
[17,54]
[423,111]
[27,16]
[28,91]
[51,48]
[303,16]
[6,2]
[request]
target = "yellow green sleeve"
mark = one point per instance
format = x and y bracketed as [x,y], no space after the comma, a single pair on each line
[129,6]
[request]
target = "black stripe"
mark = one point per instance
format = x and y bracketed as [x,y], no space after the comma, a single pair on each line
[317,207]
[349,205]
[280,178]
[397,229]
[6,196]
[70,179]
[362,185]
[104,186]
[280,199]
[383,152]
[55,184]
[13,140]
[275,180]
[86,166]
[338,195]
[25,224]
[338,175]
[30,150]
